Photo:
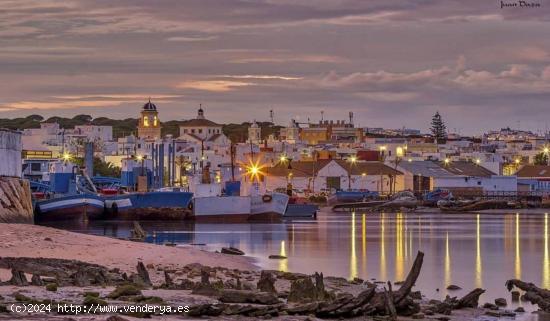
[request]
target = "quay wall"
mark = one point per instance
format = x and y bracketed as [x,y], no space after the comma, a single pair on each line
[15,192]
[10,153]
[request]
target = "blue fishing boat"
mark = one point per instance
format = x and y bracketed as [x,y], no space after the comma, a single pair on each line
[70,207]
[157,205]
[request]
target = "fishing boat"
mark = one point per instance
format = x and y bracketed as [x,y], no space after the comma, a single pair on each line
[79,207]
[155,205]
[264,208]
[301,208]
[67,195]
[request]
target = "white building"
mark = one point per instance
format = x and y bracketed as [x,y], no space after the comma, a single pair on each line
[328,175]
[201,129]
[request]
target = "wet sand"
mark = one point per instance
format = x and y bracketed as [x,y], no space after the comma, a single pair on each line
[23,240]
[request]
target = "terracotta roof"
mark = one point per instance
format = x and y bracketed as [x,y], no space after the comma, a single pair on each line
[463,168]
[532,171]
[311,168]
[199,123]
[299,169]
[369,168]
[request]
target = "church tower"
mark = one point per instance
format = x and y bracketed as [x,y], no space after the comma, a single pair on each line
[254,133]
[149,123]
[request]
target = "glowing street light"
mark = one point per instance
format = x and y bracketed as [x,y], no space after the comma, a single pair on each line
[139,157]
[353,159]
[447,161]
[478,161]
[399,151]
[66,157]
[363,174]
[517,161]
[283,158]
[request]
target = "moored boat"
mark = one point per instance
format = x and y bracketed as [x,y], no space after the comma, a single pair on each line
[158,205]
[261,208]
[70,207]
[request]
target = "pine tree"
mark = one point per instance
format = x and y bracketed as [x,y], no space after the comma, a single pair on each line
[439,130]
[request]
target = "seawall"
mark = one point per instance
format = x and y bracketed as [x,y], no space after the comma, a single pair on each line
[15,192]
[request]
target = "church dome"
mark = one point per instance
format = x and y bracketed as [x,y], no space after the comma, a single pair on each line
[149,106]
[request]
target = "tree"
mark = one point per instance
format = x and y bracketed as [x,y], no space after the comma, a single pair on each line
[439,130]
[541,159]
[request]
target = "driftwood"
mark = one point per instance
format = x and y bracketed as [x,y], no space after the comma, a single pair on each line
[66,272]
[138,233]
[470,300]
[533,294]
[410,281]
[389,301]
[143,274]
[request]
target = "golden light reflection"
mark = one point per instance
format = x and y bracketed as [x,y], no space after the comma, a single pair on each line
[364,244]
[517,263]
[399,255]
[447,261]
[479,266]
[353,256]
[283,264]
[546,260]
[383,275]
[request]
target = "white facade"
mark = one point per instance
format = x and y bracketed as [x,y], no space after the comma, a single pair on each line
[488,184]
[95,133]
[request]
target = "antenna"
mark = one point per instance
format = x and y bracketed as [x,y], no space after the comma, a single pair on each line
[271,116]
[322,115]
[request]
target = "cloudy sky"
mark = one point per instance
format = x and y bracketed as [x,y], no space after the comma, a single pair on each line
[393,63]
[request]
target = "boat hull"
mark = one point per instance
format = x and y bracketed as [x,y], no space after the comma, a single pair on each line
[149,206]
[74,207]
[269,211]
[301,211]
[226,209]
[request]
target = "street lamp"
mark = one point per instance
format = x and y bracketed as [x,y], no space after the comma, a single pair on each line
[546,151]
[66,157]
[352,160]
[478,161]
[447,161]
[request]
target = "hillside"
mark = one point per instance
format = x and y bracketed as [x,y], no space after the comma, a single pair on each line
[124,127]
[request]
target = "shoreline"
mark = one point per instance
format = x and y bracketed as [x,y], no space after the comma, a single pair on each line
[21,240]
[25,240]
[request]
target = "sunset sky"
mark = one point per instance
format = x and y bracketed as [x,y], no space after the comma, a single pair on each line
[393,63]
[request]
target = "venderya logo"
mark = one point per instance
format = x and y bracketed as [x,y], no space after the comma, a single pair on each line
[519,4]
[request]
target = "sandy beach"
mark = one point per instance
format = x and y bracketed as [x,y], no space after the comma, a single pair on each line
[24,240]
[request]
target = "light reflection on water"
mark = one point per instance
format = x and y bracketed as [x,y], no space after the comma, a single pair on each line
[469,250]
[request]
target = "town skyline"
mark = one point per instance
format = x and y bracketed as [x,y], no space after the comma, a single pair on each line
[394,65]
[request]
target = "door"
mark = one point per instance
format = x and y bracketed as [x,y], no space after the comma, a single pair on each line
[333,182]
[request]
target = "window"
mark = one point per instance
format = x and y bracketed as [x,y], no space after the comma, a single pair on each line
[35,167]
[192,131]
[155,121]
[200,131]
[145,121]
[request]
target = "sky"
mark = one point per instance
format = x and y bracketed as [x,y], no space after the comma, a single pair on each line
[392,63]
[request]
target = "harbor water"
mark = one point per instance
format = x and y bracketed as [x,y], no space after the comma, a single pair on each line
[468,250]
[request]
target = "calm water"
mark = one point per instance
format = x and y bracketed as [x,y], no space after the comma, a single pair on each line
[468,250]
